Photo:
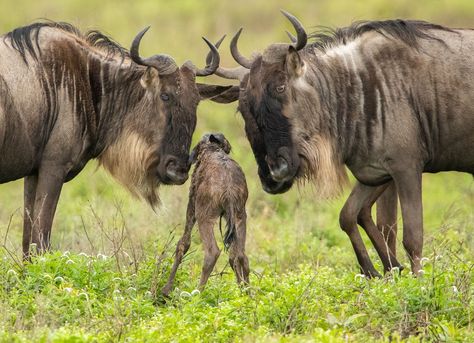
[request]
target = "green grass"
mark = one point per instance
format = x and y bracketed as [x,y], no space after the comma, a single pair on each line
[112,253]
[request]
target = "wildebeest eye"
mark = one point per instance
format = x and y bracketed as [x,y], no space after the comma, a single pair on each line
[164,96]
[280,88]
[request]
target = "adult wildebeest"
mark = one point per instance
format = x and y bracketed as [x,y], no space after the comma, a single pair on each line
[66,98]
[388,99]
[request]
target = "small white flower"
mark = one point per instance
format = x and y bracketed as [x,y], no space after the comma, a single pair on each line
[116,279]
[195,292]
[359,276]
[58,279]
[438,257]
[455,289]
[70,262]
[185,294]
[423,288]
[68,289]
[423,260]
[102,256]
[148,294]
[131,289]
[65,254]
[83,254]
[385,290]
[116,291]
[85,295]
[11,272]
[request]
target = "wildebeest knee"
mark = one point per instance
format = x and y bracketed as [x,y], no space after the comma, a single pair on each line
[364,216]
[347,219]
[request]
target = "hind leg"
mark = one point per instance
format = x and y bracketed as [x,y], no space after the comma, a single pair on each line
[237,258]
[387,216]
[211,250]
[182,247]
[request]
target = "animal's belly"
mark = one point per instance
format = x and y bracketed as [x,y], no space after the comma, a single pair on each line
[371,175]
[17,157]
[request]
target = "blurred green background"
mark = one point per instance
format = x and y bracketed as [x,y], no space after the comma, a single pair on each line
[286,228]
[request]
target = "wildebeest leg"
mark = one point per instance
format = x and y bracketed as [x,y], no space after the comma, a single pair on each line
[409,189]
[30,183]
[182,247]
[50,182]
[237,258]
[387,216]
[365,220]
[359,197]
[211,250]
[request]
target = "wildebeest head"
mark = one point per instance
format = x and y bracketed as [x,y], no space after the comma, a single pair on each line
[157,137]
[264,103]
[280,121]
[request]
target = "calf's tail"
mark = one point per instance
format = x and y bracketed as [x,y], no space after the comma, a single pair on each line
[229,234]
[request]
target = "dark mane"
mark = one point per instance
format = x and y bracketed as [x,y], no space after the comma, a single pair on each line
[25,38]
[407,31]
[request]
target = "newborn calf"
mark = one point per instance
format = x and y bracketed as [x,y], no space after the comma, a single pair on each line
[218,189]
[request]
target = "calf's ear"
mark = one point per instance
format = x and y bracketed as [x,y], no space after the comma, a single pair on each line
[150,78]
[220,94]
[294,63]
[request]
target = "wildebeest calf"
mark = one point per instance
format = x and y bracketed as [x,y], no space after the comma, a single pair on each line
[218,189]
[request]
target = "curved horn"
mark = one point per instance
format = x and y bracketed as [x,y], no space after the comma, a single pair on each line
[291,37]
[213,64]
[236,73]
[163,63]
[301,35]
[240,59]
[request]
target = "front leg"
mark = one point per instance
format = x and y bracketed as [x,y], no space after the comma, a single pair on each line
[182,247]
[360,196]
[50,182]
[408,183]
[30,184]
[379,241]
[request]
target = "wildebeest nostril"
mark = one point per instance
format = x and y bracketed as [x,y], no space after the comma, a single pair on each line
[280,170]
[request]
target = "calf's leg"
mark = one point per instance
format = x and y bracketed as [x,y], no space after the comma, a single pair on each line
[182,247]
[211,250]
[237,258]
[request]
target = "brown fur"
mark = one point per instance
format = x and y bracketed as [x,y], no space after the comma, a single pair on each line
[218,188]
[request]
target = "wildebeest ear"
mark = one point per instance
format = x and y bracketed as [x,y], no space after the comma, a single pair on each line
[211,91]
[228,96]
[294,63]
[149,78]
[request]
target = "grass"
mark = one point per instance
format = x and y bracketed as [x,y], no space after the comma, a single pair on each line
[112,253]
